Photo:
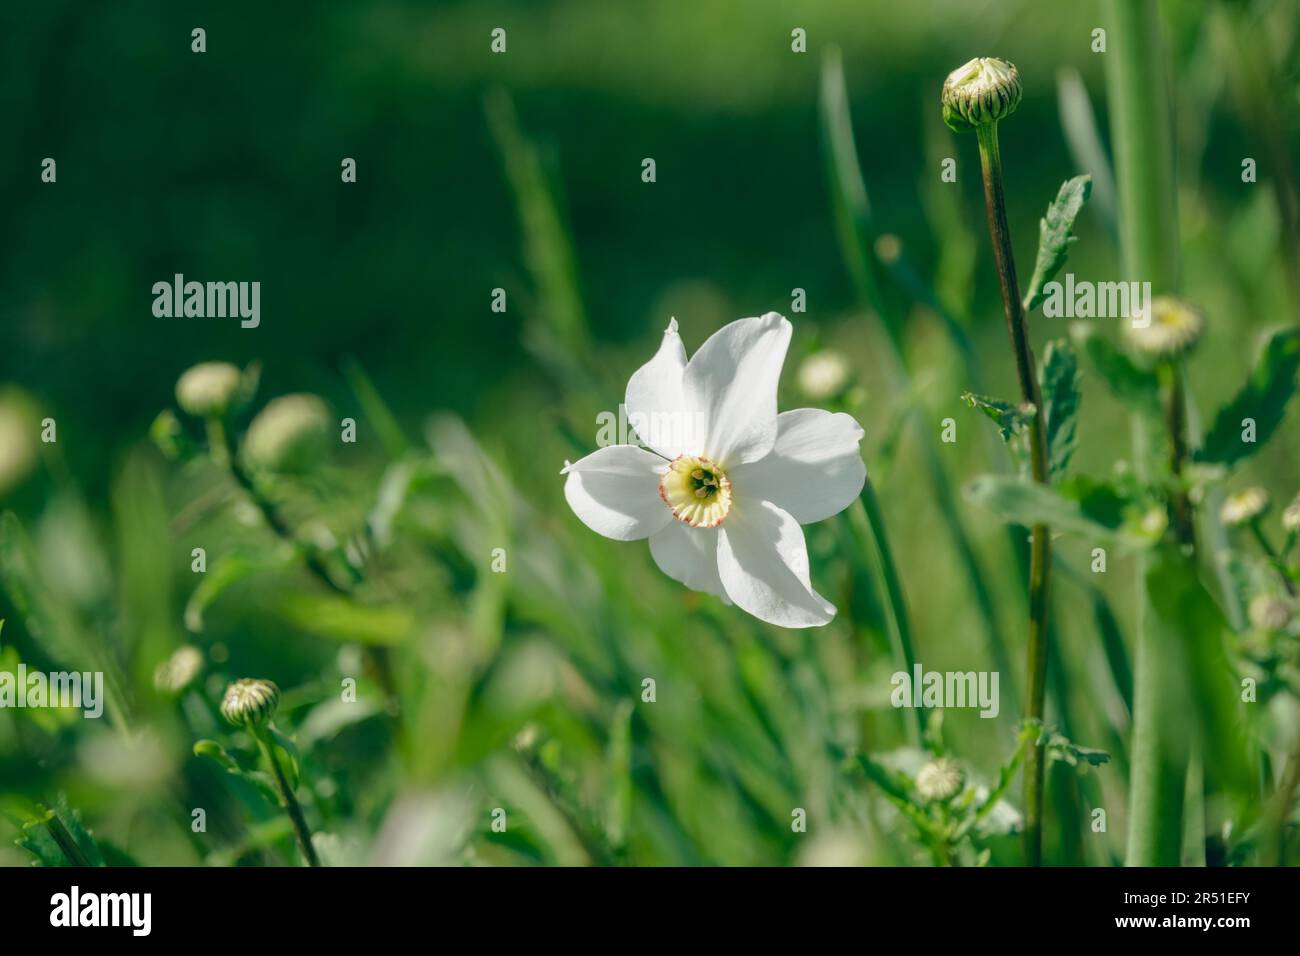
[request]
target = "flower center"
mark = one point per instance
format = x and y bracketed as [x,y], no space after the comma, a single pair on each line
[696,491]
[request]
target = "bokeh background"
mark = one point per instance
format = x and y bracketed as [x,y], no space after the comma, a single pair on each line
[522,691]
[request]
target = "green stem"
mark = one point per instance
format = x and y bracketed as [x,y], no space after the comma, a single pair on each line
[289,801]
[1144,172]
[1040,553]
[867,511]
[858,235]
[1272,554]
[1176,422]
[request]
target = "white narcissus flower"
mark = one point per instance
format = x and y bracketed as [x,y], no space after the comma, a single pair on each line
[724,482]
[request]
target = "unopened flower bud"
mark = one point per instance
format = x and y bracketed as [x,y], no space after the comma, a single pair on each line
[940,779]
[1291,517]
[1242,507]
[1268,613]
[207,389]
[291,434]
[18,430]
[250,703]
[982,91]
[823,375]
[179,671]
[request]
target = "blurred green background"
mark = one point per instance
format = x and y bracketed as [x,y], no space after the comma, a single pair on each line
[522,171]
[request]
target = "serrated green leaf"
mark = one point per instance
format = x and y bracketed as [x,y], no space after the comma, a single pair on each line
[1134,386]
[1060,747]
[1010,419]
[1056,235]
[1262,399]
[1059,380]
[56,837]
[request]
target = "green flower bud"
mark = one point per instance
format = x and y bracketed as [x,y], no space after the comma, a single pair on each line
[207,389]
[1242,507]
[982,91]
[1268,613]
[291,434]
[179,671]
[1174,327]
[823,375]
[940,779]
[18,430]
[1291,517]
[250,703]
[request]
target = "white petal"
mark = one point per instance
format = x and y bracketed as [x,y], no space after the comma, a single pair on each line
[655,404]
[815,469]
[615,491]
[763,563]
[732,381]
[689,555]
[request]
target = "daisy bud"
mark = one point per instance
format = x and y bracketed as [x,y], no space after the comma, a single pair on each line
[1291,517]
[1268,613]
[982,91]
[179,671]
[18,429]
[940,779]
[1174,328]
[1243,507]
[250,703]
[206,390]
[291,434]
[823,375]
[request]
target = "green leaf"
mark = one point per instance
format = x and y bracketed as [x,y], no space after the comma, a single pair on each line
[1010,419]
[1190,633]
[850,207]
[1029,503]
[342,619]
[1263,399]
[1100,512]
[56,837]
[1134,386]
[1060,747]
[1059,380]
[214,751]
[1056,235]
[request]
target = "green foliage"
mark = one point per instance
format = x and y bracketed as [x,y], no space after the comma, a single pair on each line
[1055,236]
[1193,634]
[1011,419]
[1059,380]
[519,689]
[1100,512]
[55,836]
[1137,387]
[1262,399]
[1059,747]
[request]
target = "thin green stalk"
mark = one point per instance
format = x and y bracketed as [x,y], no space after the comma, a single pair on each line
[1144,171]
[289,801]
[867,515]
[1176,422]
[1272,554]
[858,235]
[1040,548]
